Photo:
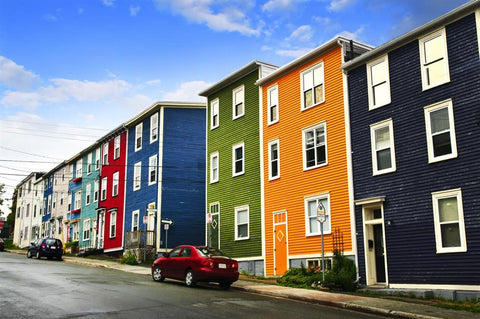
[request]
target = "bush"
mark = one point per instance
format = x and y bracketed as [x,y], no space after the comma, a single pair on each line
[343,275]
[301,277]
[71,244]
[129,259]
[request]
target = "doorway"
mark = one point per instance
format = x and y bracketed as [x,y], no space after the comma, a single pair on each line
[280,237]
[374,245]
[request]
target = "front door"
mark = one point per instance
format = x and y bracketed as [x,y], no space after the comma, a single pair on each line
[379,253]
[375,261]
[280,240]
[150,228]
[214,226]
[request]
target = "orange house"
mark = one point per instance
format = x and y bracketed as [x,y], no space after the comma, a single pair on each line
[304,157]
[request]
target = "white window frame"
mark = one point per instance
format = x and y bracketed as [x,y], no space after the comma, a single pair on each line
[373,128]
[86,229]
[272,161]
[304,150]
[241,90]
[136,220]
[237,210]
[311,86]
[154,128]
[89,163]
[105,154]
[113,224]
[104,188]
[78,168]
[436,196]
[327,225]
[78,200]
[152,168]
[214,114]
[272,106]
[430,145]
[214,177]
[96,189]
[138,137]
[137,176]
[115,183]
[372,98]
[88,194]
[97,158]
[235,160]
[423,64]
[116,147]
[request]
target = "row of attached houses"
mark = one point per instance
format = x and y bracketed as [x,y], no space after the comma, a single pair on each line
[382,140]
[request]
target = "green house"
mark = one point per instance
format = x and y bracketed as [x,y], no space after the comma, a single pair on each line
[233,183]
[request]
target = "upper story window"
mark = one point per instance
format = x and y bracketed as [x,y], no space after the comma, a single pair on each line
[214,114]
[214,167]
[449,223]
[97,159]
[440,129]
[138,136]
[115,180]
[238,102]
[312,224]
[105,154]
[78,200]
[89,164]
[153,127]
[137,176]
[96,187]
[78,172]
[272,105]
[88,194]
[152,169]
[238,159]
[116,152]
[104,189]
[313,88]
[383,150]
[314,146]
[378,83]
[434,59]
[273,160]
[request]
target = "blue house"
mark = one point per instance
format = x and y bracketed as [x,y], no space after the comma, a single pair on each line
[47,228]
[165,188]
[415,126]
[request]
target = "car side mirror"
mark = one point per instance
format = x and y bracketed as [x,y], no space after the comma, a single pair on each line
[165,255]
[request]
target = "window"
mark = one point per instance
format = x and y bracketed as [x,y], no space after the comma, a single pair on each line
[138,136]
[449,225]
[88,192]
[137,176]
[153,127]
[78,199]
[434,59]
[378,83]
[238,155]
[86,229]
[96,187]
[54,202]
[28,210]
[116,177]
[116,147]
[383,151]
[238,102]
[97,159]
[214,114]
[89,163]
[272,105]
[105,154]
[113,223]
[440,129]
[313,91]
[69,206]
[135,218]
[312,224]
[64,171]
[273,160]
[79,169]
[104,188]
[61,199]
[314,147]
[152,169]
[49,204]
[241,223]
[214,167]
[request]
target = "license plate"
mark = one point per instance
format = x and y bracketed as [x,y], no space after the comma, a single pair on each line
[223,266]
[53,247]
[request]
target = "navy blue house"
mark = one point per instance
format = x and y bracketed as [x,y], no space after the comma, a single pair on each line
[165,189]
[414,108]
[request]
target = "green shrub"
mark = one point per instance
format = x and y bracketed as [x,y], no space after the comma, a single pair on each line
[343,274]
[129,259]
[71,244]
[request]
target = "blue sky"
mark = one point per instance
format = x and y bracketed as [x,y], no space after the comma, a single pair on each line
[70,71]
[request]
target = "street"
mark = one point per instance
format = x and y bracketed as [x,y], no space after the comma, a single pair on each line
[32,288]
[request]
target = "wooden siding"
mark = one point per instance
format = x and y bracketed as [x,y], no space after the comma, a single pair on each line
[288,192]
[410,239]
[241,190]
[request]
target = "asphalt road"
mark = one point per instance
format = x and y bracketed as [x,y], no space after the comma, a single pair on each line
[31,288]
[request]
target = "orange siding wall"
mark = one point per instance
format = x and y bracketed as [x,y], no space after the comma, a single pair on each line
[288,192]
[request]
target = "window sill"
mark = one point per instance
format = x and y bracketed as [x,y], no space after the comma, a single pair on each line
[311,106]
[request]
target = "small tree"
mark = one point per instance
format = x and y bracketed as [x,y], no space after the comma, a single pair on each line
[343,274]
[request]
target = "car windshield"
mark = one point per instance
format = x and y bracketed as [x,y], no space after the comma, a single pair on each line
[50,241]
[210,252]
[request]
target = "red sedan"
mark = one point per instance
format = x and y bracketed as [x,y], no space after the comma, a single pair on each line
[196,263]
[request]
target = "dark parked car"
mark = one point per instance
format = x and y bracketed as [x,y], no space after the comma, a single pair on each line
[196,263]
[2,245]
[46,247]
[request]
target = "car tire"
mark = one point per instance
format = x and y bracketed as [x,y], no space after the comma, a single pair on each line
[29,254]
[157,274]
[190,278]
[60,258]
[225,284]
[37,255]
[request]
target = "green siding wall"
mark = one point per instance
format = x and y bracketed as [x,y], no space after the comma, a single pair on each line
[241,190]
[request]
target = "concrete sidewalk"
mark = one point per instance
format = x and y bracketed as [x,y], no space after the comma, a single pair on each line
[373,305]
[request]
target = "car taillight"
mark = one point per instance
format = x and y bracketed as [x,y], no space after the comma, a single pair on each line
[43,245]
[235,265]
[207,262]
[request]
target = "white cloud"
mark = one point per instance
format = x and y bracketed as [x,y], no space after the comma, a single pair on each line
[187,92]
[134,11]
[224,16]
[108,3]
[356,35]
[293,53]
[14,75]
[338,5]
[273,5]
[302,33]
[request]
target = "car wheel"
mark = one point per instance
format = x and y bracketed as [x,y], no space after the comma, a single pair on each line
[190,278]
[60,258]
[37,255]
[29,254]
[157,274]
[225,284]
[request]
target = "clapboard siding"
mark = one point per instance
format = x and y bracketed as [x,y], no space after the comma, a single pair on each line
[410,239]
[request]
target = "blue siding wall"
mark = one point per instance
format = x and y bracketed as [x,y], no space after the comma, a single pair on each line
[183,191]
[410,239]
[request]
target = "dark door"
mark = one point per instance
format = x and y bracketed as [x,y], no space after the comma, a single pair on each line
[214,232]
[379,252]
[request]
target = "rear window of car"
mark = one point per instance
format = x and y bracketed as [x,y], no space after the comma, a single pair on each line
[50,241]
[209,252]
